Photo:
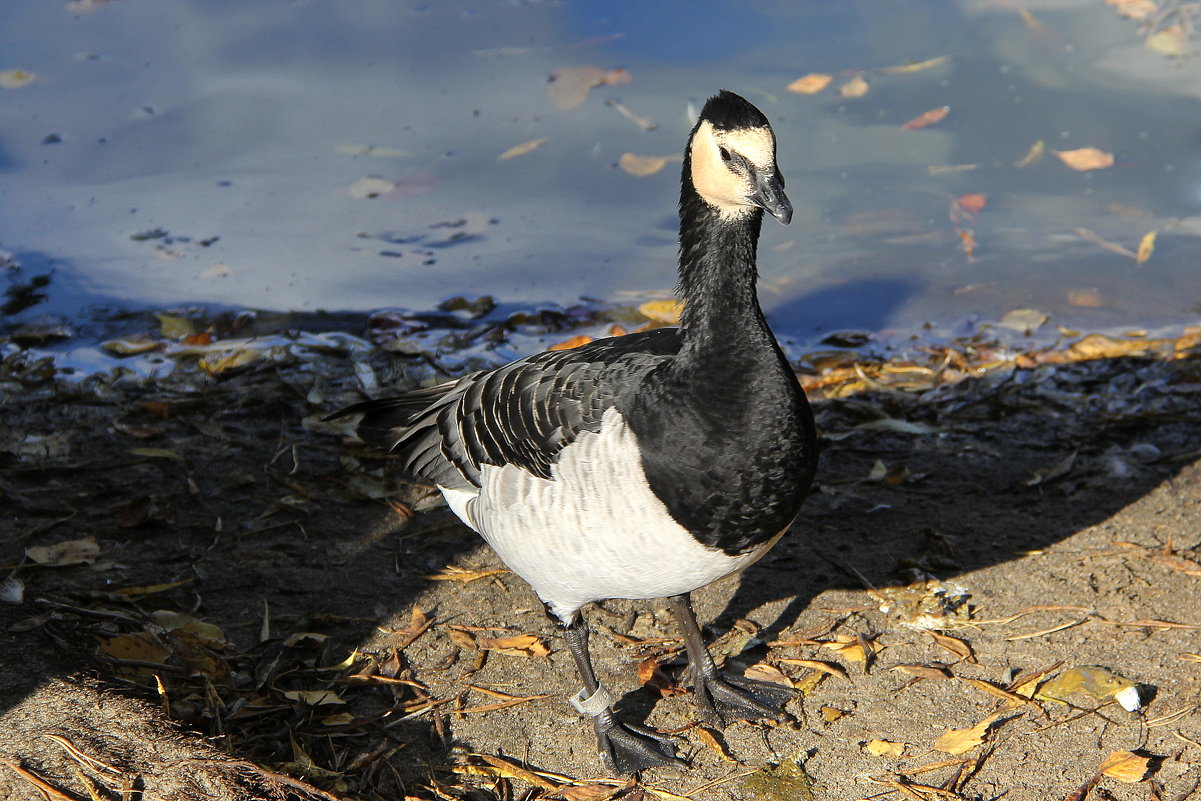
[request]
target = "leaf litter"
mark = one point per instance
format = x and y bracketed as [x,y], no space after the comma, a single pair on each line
[436,669]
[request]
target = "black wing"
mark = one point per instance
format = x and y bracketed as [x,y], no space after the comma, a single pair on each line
[523,413]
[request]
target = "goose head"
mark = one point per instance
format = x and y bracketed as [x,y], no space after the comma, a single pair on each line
[732,160]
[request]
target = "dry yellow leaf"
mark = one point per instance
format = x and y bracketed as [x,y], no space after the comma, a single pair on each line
[523,148]
[220,361]
[1126,766]
[713,742]
[314,697]
[462,574]
[140,646]
[1170,41]
[666,312]
[1035,153]
[832,713]
[1146,246]
[1085,158]
[519,645]
[810,84]
[917,66]
[850,648]
[884,748]
[856,87]
[822,667]
[15,79]
[642,166]
[762,671]
[959,741]
[71,552]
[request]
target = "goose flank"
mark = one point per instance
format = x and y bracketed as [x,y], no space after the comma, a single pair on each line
[641,466]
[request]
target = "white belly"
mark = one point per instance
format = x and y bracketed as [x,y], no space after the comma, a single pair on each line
[594,530]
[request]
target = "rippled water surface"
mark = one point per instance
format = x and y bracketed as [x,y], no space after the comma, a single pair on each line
[173,152]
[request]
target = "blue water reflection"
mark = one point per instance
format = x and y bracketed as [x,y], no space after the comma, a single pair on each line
[240,131]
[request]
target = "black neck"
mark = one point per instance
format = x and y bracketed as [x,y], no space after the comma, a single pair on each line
[717,278]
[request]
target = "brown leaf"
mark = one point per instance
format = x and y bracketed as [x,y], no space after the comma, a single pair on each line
[927,118]
[923,671]
[810,84]
[70,552]
[831,713]
[1085,158]
[463,574]
[959,741]
[520,645]
[652,676]
[996,691]
[511,770]
[828,668]
[762,671]
[419,621]
[1126,766]
[958,647]
[714,742]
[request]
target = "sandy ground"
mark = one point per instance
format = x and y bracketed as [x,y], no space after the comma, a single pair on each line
[254,616]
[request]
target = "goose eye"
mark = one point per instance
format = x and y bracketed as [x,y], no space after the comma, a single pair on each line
[725,155]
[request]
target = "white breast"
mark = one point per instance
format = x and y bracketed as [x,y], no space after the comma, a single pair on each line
[594,530]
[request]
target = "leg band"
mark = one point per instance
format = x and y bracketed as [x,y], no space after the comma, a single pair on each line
[593,705]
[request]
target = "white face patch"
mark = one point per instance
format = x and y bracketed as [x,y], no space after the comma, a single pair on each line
[729,191]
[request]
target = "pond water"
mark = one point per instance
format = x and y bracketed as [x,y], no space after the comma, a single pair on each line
[184,152]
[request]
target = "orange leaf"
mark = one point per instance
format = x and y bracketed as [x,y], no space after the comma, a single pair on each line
[973,203]
[927,118]
[574,342]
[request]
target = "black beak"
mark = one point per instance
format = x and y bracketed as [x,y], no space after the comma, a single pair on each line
[769,195]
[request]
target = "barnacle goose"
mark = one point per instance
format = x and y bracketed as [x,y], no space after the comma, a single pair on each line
[640,466]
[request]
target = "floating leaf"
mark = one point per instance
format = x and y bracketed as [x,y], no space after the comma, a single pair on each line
[523,148]
[70,552]
[568,87]
[810,84]
[972,203]
[367,188]
[1085,298]
[1170,41]
[666,312]
[1146,246]
[1085,158]
[643,166]
[1134,9]
[1035,153]
[15,79]
[1126,766]
[1024,320]
[856,87]
[370,150]
[927,118]
[889,748]
[917,66]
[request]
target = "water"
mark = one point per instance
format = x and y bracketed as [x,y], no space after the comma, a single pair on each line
[175,152]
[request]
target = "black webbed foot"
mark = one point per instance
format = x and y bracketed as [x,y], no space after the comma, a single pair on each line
[628,748]
[724,699]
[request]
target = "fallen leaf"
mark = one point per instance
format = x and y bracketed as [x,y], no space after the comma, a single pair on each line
[715,744]
[1098,683]
[131,345]
[70,552]
[810,84]
[1126,766]
[666,312]
[917,66]
[851,648]
[588,792]
[1035,153]
[973,202]
[827,668]
[511,770]
[139,646]
[15,79]
[523,148]
[1097,239]
[927,118]
[462,574]
[642,166]
[573,342]
[1085,298]
[923,671]
[220,361]
[959,741]
[419,621]
[370,187]
[529,645]
[1146,246]
[1170,41]
[652,676]
[856,87]
[1023,320]
[505,701]
[1134,9]
[156,453]
[568,87]
[762,671]
[888,748]
[173,327]
[314,697]
[996,691]
[1085,158]
[830,713]
[956,646]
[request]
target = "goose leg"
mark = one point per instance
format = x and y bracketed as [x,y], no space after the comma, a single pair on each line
[719,698]
[625,748]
